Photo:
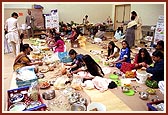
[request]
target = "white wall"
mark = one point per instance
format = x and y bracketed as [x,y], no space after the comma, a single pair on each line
[76,12]
[98,12]
[149,12]
[73,12]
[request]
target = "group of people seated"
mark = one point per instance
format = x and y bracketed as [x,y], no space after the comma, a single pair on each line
[142,59]
[87,64]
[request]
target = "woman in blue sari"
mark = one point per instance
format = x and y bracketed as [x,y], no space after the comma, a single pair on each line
[124,55]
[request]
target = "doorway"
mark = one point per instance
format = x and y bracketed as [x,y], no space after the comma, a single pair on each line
[122,15]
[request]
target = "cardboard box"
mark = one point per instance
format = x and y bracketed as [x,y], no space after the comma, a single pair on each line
[75,44]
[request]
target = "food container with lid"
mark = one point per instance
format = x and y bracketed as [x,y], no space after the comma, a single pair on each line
[48,95]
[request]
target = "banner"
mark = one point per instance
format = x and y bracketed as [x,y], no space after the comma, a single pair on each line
[52,20]
[159,31]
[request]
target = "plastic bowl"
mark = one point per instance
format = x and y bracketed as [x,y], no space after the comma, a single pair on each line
[95,106]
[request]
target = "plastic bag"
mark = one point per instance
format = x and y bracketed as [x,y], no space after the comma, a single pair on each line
[64,57]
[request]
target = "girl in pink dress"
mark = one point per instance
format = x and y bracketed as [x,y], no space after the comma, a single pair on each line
[58,46]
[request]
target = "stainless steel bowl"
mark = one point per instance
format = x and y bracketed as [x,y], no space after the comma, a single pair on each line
[72,100]
[78,107]
[143,95]
[125,89]
[48,95]
[83,100]
[76,95]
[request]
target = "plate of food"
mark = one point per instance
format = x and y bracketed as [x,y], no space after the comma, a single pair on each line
[40,75]
[44,70]
[44,84]
[16,98]
[19,106]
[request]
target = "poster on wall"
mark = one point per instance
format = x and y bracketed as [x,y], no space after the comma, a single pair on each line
[159,31]
[52,20]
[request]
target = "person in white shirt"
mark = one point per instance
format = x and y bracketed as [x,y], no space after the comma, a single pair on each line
[12,27]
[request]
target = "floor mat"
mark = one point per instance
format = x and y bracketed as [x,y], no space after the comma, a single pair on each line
[111,101]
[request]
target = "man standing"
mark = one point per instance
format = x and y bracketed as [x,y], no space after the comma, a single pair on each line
[30,24]
[138,31]
[12,27]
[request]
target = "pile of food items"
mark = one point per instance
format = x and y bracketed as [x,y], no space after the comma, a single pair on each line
[130,74]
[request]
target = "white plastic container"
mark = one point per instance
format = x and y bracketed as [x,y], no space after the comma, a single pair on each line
[125,82]
[142,76]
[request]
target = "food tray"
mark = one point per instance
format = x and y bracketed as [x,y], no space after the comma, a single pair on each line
[152,108]
[24,91]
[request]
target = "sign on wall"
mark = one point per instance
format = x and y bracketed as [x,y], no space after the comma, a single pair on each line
[159,31]
[52,20]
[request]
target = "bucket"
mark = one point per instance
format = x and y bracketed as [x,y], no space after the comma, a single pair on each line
[142,76]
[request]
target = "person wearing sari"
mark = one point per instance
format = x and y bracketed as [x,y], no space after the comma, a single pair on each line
[138,30]
[22,59]
[130,32]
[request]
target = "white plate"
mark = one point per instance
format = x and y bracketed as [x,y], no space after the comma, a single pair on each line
[97,105]
[20,106]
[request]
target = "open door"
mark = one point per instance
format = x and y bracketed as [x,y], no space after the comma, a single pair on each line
[122,15]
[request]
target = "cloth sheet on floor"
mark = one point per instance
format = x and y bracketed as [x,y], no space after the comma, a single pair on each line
[110,100]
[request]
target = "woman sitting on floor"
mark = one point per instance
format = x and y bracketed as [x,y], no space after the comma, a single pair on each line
[90,70]
[23,60]
[118,34]
[73,36]
[124,55]
[58,45]
[77,61]
[142,59]
[113,50]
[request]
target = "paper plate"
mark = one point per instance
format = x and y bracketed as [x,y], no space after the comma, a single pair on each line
[113,76]
[130,93]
